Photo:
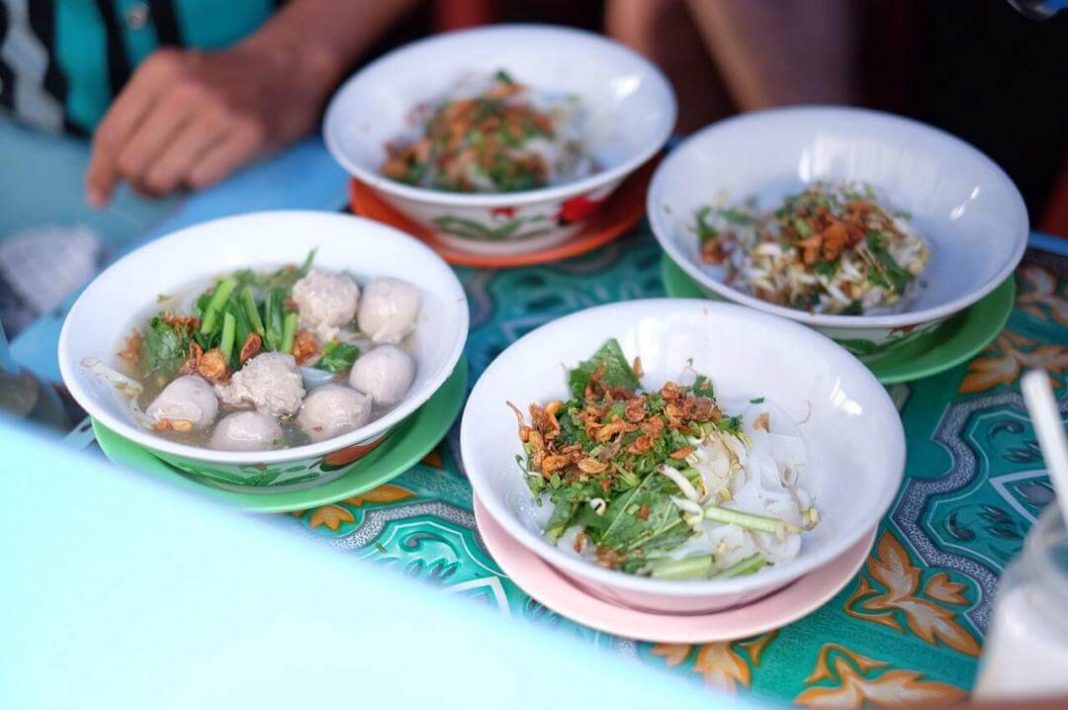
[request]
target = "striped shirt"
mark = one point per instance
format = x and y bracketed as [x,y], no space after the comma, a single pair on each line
[63,61]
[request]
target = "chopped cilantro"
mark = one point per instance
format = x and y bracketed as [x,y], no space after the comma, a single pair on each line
[164,348]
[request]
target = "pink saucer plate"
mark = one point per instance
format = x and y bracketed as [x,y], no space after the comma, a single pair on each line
[538,579]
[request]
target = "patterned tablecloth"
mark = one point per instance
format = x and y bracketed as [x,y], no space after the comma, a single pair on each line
[909,627]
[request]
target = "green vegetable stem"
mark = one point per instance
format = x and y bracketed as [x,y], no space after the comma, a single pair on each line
[211,314]
[752,521]
[749,565]
[226,344]
[289,331]
[252,310]
[685,568]
[337,357]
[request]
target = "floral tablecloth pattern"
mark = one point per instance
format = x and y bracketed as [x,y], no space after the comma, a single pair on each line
[909,627]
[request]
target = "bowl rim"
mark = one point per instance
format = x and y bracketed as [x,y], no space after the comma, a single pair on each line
[523,197]
[70,363]
[766,579]
[664,232]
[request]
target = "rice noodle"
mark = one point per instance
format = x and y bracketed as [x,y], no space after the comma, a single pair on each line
[760,471]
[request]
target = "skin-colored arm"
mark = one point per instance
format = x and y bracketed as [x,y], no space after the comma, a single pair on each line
[664,31]
[188,118]
[776,52]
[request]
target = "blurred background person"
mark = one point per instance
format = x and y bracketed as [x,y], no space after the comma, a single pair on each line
[179,93]
[976,68]
[201,87]
[173,94]
[725,56]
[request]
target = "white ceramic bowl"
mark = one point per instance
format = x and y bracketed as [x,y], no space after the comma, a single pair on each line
[852,427]
[964,205]
[631,112]
[123,295]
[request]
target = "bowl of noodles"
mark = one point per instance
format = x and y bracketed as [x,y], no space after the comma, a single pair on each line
[871,228]
[495,143]
[681,456]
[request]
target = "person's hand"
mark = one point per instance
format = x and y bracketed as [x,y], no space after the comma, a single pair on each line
[187,118]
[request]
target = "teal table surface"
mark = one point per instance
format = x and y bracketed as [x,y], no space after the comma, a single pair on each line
[909,627]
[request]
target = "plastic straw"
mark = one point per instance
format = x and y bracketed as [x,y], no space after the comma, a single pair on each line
[1046,418]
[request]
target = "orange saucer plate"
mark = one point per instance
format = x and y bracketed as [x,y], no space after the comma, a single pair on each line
[619,213]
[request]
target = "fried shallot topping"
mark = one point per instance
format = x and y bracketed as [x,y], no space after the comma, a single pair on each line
[193,361]
[251,348]
[486,134]
[212,366]
[305,347]
[188,323]
[131,349]
[172,425]
[584,439]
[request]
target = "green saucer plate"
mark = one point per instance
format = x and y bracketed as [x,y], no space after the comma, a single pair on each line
[956,341]
[406,445]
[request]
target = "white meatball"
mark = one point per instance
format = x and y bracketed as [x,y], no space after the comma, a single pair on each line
[270,382]
[189,398]
[333,410]
[326,302]
[384,374]
[388,310]
[246,431]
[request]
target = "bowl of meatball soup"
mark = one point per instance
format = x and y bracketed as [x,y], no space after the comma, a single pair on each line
[269,351]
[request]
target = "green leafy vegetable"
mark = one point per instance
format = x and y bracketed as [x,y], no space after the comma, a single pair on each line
[736,217]
[308,261]
[802,228]
[705,231]
[855,308]
[702,387]
[887,272]
[236,306]
[337,357]
[826,269]
[282,278]
[560,520]
[615,370]
[614,462]
[163,348]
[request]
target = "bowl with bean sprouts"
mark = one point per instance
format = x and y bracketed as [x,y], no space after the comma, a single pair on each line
[871,228]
